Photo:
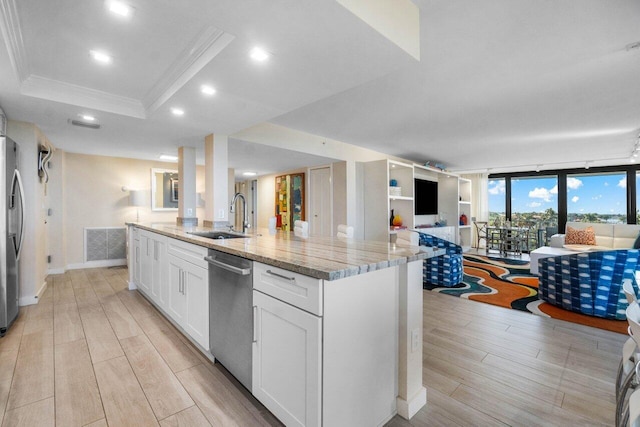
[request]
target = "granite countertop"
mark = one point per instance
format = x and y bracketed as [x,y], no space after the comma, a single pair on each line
[327,258]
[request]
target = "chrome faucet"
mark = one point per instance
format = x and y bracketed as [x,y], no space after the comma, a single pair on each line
[245,218]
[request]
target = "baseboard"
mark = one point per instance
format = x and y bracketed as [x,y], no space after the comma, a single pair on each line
[56,271]
[408,408]
[35,298]
[98,264]
[27,301]
[132,286]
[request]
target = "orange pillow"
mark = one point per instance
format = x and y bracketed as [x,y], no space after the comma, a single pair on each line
[580,237]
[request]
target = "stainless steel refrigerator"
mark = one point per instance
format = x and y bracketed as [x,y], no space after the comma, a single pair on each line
[11,231]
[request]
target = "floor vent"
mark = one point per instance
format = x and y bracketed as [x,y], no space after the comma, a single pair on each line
[105,243]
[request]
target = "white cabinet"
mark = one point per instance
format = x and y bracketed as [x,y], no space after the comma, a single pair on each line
[176,302]
[159,273]
[188,290]
[287,352]
[312,360]
[174,275]
[153,248]
[196,291]
[134,256]
[287,344]
[147,246]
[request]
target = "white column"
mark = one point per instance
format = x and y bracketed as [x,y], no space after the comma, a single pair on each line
[351,178]
[412,395]
[216,180]
[187,186]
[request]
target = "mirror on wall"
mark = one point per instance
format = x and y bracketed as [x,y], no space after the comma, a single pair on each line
[164,190]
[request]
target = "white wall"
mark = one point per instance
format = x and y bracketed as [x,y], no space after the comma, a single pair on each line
[339,183]
[54,201]
[93,197]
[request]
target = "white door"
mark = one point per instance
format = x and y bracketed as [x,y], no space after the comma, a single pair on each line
[320,202]
[286,361]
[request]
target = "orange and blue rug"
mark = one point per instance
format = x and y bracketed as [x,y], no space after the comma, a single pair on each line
[508,283]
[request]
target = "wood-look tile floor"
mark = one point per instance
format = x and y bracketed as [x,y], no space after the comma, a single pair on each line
[491,366]
[93,353]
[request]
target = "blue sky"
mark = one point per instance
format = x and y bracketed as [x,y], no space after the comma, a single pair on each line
[602,194]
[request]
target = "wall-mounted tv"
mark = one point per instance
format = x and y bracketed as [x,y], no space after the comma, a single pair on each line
[426,197]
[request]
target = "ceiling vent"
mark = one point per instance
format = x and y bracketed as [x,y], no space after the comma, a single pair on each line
[84,124]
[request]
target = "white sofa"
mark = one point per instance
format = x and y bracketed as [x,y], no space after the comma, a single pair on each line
[608,236]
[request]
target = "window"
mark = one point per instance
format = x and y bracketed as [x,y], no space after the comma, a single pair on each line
[534,205]
[497,191]
[597,197]
[535,200]
[600,194]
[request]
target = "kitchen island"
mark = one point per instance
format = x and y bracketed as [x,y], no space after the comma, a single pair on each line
[337,330]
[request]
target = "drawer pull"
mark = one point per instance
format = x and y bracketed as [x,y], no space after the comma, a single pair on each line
[255,325]
[291,279]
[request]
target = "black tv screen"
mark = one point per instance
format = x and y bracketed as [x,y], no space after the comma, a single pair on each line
[426,197]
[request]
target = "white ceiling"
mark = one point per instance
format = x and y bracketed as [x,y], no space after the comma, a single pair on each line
[501,83]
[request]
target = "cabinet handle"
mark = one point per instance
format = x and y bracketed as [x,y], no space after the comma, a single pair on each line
[184,283]
[180,284]
[255,325]
[291,279]
[155,250]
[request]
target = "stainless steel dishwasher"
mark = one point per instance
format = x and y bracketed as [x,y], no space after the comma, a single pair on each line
[231,313]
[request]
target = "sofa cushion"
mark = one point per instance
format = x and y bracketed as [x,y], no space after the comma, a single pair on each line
[604,232]
[580,237]
[625,235]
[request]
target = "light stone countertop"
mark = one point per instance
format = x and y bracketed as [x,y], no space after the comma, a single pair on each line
[328,258]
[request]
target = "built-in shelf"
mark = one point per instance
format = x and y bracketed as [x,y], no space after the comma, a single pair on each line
[454,200]
[379,175]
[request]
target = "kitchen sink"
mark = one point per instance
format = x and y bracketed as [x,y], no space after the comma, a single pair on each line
[220,235]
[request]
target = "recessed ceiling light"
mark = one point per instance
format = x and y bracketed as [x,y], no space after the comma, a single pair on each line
[177,111]
[259,54]
[100,56]
[86,117]
[207,90]
[83,124]
[168,157]
[249,174]
[119,8]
